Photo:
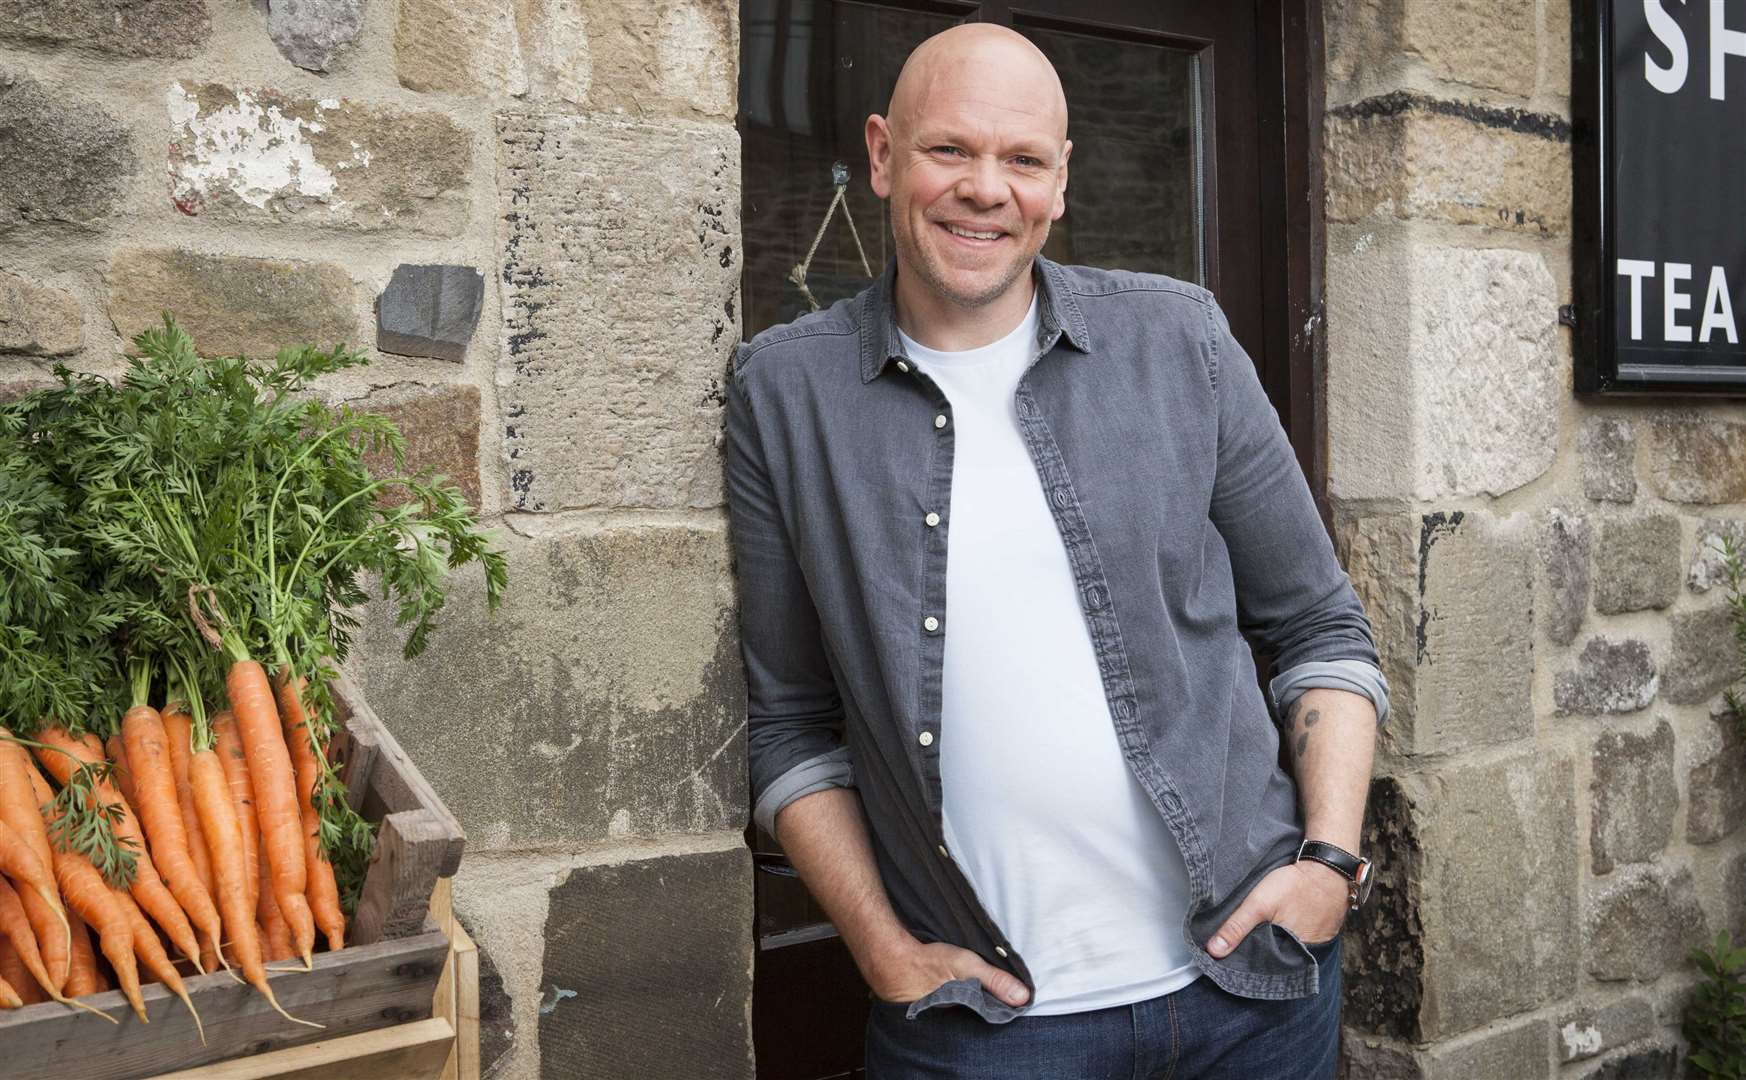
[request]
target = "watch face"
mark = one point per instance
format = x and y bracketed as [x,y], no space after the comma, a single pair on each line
[1365,879]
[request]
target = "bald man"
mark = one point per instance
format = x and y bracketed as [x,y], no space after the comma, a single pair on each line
[1035,784]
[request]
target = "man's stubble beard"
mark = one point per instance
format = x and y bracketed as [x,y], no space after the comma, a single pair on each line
[911,256]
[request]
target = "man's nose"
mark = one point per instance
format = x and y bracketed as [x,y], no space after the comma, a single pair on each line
[982,183]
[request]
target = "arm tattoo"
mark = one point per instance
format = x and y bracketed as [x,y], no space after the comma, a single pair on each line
[1297,725]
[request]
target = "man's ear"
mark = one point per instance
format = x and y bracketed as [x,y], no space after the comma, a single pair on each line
[1061,182]
[879,155]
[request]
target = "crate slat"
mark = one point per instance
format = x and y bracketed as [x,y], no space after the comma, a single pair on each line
[407,1052]
[352,990]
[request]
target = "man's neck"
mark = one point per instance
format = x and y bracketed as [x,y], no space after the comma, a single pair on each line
[947,327]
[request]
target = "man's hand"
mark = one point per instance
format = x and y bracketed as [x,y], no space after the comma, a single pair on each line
[905,972]
[1307,898]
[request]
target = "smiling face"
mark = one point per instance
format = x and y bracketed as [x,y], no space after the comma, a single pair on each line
[973,158]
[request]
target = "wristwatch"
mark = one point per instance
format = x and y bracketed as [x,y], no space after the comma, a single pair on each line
[1354,869]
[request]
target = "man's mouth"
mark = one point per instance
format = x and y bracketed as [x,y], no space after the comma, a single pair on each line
[972,234]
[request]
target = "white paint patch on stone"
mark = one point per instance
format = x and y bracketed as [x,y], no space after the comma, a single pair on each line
[1580,1041]
[256,154]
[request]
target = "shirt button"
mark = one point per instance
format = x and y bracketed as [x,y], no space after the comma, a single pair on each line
[943,851]
[902,365]
[1000,952]
[927,738]
[932,519]
[930,624]
[940,420]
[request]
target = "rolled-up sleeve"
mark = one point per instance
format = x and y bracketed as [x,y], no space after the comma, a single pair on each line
[1292,594]
[794,713]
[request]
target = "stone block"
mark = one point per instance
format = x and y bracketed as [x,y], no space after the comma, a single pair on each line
[1407,156]
[36,320]
[1608,448]
[1451,374]
[1595,1028]
[1520,1051]
[1633,796]
[1640,924]
[605,699]
[1716,781]
[1480,43]
[1704,656]
[244,154]
[1451,599]
[618,57]
[660,945]
[1383,978]
[1363,39]
[1697,458]
[611,394]
[1482,924]
[1609,677]
[159,28]
[1709,565]
[1636,563]
[1653,1062]
[232,305]
[1734,898]
[430,311]
[309,32]
[67,160]
[20,379]
[1566,543]
[441,427]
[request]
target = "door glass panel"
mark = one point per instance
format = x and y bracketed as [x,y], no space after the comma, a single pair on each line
[810,72]
[1135,183]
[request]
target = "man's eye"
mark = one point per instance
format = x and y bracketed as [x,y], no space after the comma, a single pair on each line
[1027,162]
[946,150]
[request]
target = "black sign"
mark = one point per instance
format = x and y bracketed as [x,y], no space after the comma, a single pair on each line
[1659,103]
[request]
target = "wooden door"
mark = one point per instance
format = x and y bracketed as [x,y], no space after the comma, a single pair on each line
[1181,164]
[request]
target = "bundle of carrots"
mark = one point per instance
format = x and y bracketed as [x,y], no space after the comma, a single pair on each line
[195,533]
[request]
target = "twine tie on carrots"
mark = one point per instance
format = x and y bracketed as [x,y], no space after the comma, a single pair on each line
[839,179]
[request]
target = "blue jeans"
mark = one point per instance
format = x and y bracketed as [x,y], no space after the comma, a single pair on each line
[1197,1033]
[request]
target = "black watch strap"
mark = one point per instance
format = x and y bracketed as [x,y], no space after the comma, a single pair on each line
[1356,870]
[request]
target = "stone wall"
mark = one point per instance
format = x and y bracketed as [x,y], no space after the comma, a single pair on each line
[1559,799]
[529,210]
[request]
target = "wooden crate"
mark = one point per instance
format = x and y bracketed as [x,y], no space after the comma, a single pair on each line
[445,1047]
[386,976]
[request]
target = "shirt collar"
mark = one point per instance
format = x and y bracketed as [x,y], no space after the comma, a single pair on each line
[1058,314]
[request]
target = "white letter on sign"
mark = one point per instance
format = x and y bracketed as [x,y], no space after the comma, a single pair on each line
[1669,79]
[1723,44]
[1636,270]
[1673,300]
[1718,309]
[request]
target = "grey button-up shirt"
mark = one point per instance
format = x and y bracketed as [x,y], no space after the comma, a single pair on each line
[1186,522]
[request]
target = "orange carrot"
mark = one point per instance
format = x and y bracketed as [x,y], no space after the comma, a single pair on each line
[276,944]
[123,772]
[323,891]
[152,954]
[20,863]
[19,809]
[257,720]
[88,894]
[178,731]
[242,794]
[82,975]
[150,746]
[218,815]
[15,931]
[13,974]
[9,998]
[148,888]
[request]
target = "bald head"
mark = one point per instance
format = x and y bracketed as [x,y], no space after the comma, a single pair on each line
[999,67]
[972,162]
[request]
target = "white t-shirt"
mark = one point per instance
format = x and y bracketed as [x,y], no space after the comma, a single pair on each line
[1045,817]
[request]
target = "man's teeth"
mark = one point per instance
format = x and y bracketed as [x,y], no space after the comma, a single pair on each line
[956,231]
